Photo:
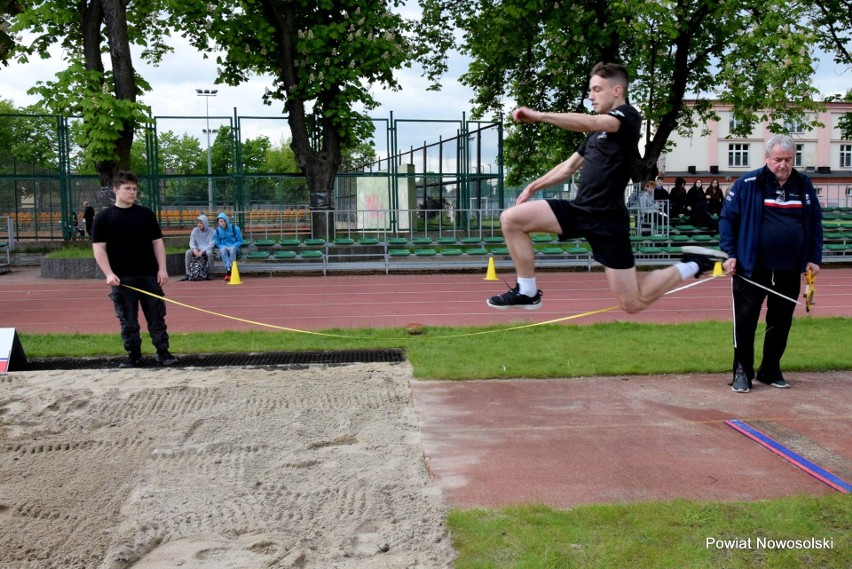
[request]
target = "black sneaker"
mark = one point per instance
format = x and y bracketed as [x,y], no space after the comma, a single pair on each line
[774,379]
[741,383]
[704,257]
[165,359]
[131,361]
[513,298]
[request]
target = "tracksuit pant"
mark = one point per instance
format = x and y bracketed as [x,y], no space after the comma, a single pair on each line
[748,301]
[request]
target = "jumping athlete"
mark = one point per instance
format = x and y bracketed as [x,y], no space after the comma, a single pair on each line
[598,213]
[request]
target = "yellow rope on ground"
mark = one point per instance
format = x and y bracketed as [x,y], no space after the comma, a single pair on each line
[299,331]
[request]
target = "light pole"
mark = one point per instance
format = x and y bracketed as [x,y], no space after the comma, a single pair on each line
[207,93]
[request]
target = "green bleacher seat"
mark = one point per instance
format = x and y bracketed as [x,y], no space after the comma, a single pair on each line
[289,242]
[500,250]
[399,252]
[314,242]
[653,250]
[397,240]
[311,253]
[425,252]
[542,238]
[422,241]
[494,239]
[257,255]
[446,241]
[368,241]
[551,251]
[454,252]
[477,251]
[470,240]
[284,255]
[264,242]
[344,241]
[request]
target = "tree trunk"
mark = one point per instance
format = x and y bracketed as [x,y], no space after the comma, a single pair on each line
[115,18]
[319,163]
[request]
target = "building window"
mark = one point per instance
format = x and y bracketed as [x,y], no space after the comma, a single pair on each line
[737,155]
[732,124]
[794,127]
[846,155]
[800,151]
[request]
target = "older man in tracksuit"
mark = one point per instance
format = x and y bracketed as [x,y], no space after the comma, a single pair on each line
[771,229]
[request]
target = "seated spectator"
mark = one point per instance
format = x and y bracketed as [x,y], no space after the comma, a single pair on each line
[699,216]
[660,192]
[649,211]
[200,245]
[677,198]
[228,239]
[694,196]
[715,197]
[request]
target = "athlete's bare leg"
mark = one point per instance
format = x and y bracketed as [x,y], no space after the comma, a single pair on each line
[517,223]
[633,295]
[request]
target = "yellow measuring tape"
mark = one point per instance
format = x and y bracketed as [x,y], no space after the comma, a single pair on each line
[298,331]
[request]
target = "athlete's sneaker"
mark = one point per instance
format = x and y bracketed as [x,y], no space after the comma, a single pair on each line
[773,379]
[513,298]
[165,359]
[704,257]
[741,383]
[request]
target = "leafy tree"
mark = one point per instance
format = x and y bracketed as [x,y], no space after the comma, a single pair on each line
[754,54]
[832,22]
[105,99]
[323,57]
[8,40]
[280,159]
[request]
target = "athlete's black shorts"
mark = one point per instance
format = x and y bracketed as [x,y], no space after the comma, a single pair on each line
[608,233]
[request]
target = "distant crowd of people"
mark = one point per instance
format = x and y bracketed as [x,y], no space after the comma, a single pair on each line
[701,206]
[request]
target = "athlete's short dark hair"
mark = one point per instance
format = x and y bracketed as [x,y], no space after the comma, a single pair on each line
[612,71]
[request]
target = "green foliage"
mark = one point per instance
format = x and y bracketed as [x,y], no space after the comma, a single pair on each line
[754,54]
[832,22]
[104,99]
[324,57]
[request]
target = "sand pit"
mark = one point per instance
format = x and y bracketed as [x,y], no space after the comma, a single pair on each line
[320,467]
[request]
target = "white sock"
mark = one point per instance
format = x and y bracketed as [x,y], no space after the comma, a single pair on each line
[527,287]
[687,270]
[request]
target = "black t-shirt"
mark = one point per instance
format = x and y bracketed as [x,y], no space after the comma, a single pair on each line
[782,233]
[129,234]
[608,160]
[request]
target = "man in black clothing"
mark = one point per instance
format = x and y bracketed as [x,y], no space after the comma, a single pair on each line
[88,217]
[598,213]
[128,246]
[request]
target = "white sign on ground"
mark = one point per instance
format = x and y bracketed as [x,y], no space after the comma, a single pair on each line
[11,351]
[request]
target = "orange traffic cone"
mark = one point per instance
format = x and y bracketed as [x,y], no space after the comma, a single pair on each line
[491,274]
[235,275]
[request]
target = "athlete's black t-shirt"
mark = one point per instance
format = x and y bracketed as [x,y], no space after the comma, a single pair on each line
[128,233]
[608,159]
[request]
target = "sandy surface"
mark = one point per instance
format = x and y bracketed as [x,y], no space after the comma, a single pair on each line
[319,467]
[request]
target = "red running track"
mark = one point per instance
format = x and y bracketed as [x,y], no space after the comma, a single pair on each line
[35,305]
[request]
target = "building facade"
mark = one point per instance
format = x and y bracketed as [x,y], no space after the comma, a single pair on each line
[821,153]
